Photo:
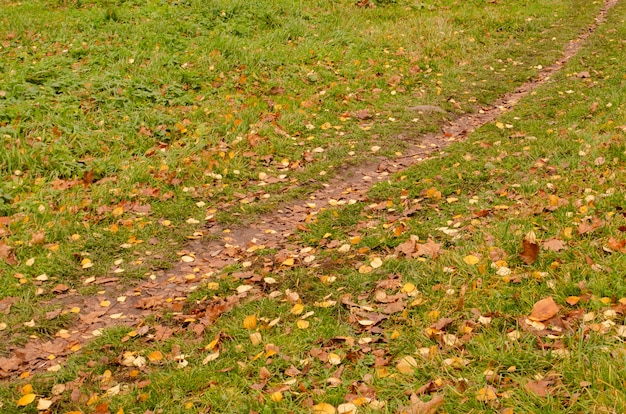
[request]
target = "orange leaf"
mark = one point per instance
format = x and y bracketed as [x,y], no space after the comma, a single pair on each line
[155,356]
[572,300]
[544,310]
[486,394]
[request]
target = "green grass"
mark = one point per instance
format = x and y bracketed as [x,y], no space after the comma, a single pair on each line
[118,117]
[73,102]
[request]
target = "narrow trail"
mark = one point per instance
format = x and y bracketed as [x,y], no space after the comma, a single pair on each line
[226,246]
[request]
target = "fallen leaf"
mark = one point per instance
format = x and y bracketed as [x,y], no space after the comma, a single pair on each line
[554,245]
[586,227]
[544,310]
[417,406]
[43,404]
[26,399]
[249,322]
[323,408]
[486,394]
[406,365]
[530,249]
[539,388]
[471,259]
[617,245]
[6,254]
[155,356]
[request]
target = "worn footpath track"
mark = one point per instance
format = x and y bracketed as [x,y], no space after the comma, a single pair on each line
[223,246]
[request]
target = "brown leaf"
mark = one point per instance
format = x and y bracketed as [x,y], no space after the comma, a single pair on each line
[420,407]
[6,254]
[587,227]
[430,248]
[254,139]
[408,247]
[144,130]
[539,388]
[530,249]
[554,245]
[38,237]
[150,302]
[88,178]
[544,310]
[617,245]
[361,114]
[60,288]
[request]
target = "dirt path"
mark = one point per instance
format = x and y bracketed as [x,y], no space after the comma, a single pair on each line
[205,258]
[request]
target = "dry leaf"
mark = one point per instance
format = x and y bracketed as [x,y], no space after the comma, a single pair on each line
[418,406]
[155,356]
[530,249]
[323,408]
[486,394]
[406,365]
[587,227]
[250,322]
[26,399]
[471,259]
[544,310]
[539,388]
[554,245]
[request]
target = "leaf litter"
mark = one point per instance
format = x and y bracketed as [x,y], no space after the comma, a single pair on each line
[168,290]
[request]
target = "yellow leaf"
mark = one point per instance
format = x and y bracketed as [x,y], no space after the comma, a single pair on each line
[276,396]
[302,324]
[408,288]
[289,262]
[334,359]
[86,263]
[486,394]
[433,193]
[27,389]
[554,200]
[249,322]
[118,211]
[323,408]
[395,334]
[256,338]
[471,259]
[155,356]
[213,343]
[406,365]
[26,399]
[365,269]
[297,309]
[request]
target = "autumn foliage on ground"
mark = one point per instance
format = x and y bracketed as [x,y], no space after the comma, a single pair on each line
[488,276]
